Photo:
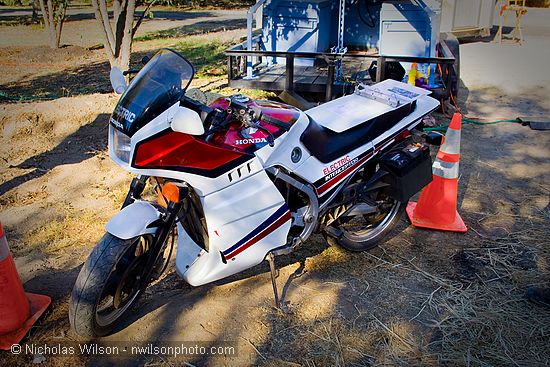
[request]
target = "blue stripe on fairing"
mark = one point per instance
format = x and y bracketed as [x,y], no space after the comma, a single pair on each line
[272,218]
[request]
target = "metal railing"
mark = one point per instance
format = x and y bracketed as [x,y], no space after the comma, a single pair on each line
[237,56]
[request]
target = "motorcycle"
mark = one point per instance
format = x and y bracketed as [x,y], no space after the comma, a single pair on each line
[242,181]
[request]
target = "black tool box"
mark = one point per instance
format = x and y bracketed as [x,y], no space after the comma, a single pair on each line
[409,168]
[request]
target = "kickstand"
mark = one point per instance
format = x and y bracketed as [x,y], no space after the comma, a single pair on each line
[274,274]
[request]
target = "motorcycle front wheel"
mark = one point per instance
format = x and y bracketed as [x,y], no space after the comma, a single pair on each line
[363,232]
[110,282]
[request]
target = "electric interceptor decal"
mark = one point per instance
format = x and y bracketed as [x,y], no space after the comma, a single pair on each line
[281,216]
[339,170]
[342,168]
[125,113]
[338,167]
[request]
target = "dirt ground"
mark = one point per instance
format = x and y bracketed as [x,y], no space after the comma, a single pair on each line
[422,298]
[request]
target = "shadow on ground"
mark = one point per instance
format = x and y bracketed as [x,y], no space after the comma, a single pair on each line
[422,298]
[195,28]
[24,15]
[75,148]
[94,77]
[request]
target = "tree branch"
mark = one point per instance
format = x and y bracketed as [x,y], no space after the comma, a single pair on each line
[143,15]
[126,44]
[106,41]
[45,16]
[62,12]
[102,5]
[116,9]
[120,22]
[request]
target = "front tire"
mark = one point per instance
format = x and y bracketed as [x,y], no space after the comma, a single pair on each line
[102,276]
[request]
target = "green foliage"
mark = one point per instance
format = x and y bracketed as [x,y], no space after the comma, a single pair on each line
[538,3]
[16,2]
[207,56]
[226,4]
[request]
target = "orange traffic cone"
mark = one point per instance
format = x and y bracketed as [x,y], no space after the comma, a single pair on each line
[18,310]
[436,207]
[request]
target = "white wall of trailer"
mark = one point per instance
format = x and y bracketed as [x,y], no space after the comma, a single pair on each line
[467,15]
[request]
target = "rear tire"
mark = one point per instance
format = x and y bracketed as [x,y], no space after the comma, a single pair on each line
[91,284]
[368,238]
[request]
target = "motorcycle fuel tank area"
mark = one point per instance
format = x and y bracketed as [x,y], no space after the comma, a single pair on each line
[276,117]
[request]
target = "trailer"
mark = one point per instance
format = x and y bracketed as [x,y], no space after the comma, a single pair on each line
[319,49]
[467,18]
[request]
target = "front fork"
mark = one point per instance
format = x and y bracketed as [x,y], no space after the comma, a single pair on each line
[136,189]
[165,223]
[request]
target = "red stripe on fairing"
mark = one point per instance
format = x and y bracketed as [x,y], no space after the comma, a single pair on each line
[285,218]
[327,185]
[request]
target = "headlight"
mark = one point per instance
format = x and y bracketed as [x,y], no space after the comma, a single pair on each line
[120,144]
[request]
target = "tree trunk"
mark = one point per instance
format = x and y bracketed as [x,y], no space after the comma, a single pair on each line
[118,39]
[53,15]
[51,28]
[34,13]
[108,42]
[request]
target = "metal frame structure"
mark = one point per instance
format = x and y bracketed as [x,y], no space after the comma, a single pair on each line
[239,55]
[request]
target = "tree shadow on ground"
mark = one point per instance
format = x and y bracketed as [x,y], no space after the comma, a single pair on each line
[24,14]
[158,14]
[75,148]
[209,26]
[94,77]
[86,79]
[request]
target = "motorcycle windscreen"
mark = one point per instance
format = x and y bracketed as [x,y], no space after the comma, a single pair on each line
[160,84]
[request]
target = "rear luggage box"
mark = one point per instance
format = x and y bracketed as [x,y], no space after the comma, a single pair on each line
[409,168]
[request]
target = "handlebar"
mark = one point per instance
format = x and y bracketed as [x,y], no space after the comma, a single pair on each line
[215,120]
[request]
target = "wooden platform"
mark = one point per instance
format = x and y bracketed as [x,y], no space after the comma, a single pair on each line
[309,79]
[306,79]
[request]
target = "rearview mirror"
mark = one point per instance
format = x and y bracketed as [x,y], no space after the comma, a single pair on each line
[434,138]
[187,121]
[118,81]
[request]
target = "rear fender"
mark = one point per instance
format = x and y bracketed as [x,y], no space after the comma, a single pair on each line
[134,220]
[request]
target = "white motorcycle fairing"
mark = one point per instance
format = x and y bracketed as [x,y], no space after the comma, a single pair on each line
[246,215]
[245,221]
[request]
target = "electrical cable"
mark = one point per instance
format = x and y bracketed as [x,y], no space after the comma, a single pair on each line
[7,97]
[467,121]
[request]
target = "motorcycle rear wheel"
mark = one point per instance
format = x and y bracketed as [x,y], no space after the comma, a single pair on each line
[364,232]
[108,285]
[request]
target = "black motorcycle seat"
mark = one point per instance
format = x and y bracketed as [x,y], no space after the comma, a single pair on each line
[327,145]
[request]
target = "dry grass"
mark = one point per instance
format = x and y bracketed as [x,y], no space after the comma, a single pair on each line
[22,199]
[72,229]
[485,321]
[489,322]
